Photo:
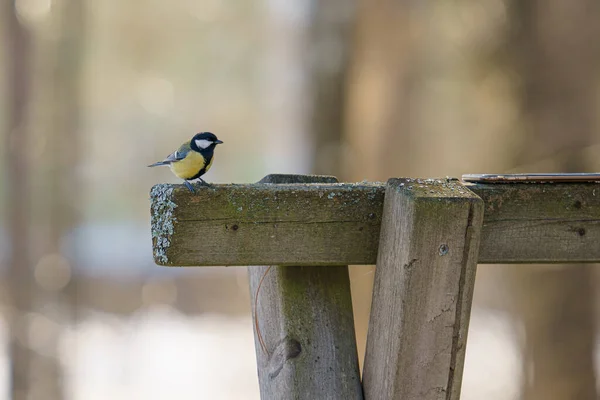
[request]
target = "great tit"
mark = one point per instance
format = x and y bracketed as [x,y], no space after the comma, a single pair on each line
[193,159]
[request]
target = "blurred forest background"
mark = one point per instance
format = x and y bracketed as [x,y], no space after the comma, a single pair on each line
[93,91]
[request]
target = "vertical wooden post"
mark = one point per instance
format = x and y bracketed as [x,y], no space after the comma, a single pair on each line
[423,290]
[306,325]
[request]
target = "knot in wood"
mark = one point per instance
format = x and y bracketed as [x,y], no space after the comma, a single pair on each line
[287,349]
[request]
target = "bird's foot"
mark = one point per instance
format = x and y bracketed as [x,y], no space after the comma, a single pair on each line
[204,183]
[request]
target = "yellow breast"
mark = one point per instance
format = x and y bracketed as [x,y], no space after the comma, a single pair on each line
[189,166]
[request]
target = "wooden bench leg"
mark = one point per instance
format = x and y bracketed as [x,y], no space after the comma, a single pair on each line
[423,290]
[307,347]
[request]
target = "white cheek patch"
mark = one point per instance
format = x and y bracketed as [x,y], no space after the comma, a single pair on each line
[203,143]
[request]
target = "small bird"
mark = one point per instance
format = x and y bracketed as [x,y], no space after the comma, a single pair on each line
[193,159]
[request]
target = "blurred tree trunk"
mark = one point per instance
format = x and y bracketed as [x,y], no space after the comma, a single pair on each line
[59,189]
[379,125]
[556,56]
[329,45]
[17,174]
[380,83]
[64,144]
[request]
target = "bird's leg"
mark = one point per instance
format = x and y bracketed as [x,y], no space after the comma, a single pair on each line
[189,186]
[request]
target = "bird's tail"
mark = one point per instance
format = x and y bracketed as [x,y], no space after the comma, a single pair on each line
[158,164]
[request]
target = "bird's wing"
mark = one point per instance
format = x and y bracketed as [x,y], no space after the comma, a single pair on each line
[177,155]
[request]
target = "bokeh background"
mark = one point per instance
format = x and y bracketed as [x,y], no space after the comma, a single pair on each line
[93,91]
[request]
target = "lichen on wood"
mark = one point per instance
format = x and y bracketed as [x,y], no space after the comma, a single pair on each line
[162,220]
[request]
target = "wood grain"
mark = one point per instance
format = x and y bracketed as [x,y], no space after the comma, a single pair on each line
[305,318]
[422,293]
[339,224]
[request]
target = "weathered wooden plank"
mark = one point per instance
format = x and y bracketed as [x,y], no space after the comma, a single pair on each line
[265,224]
[333,224]
[423,290]
[543,223]
[306,348]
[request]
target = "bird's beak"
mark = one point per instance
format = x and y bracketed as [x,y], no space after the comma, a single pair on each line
[218,141]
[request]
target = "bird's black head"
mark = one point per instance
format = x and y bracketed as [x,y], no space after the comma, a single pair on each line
[204,141]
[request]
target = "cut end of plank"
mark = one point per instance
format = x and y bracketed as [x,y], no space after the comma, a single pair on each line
[431,188]
[162,220]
